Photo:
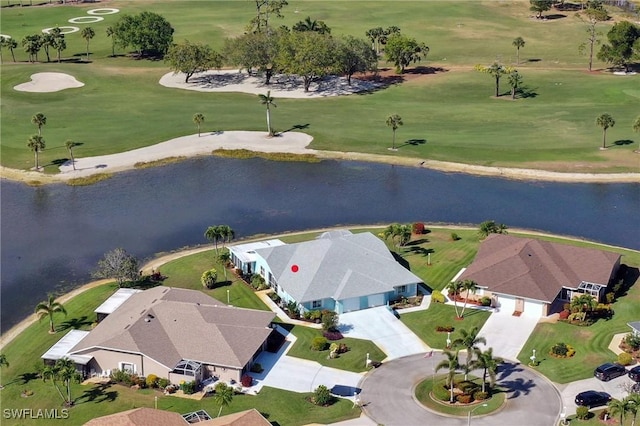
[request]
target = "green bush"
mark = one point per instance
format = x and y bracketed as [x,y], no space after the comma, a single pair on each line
[479,395]
[257,282]
[625,358]
[163,382]
[315,315]
[610,297]
[329,320]
[440,392]
[209,278]
[274,296]
[633,341]
[322,396]
[467,387]
[319,344]
[293,308]
[437,297]
[122,377]
[188,387]
[582,413]
[485,301]
[454,236]
[560,350]
[152,381]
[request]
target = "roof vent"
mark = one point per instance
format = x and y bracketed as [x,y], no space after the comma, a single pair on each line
[147,320]
[149,316]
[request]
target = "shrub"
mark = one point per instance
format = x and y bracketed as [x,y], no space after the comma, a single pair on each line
[582,413]
[188,387]
[307,315]
[479,395]
[610,297]
[564,315]
[274,297]
[418,228]
[209,278]
[122,377]
[454,236]
[467,387]
[141,382]
[485,301]
[332,335]
[257,281]
[633,341]
[246,380]
[625,358]
[567,307]
[257,368]
[322,395]
[437,297]
[559,349]
[329,320]
[445,329]
[464,399]
[315,315]
[163,383]
[293,308]
[152,381]
[319,344]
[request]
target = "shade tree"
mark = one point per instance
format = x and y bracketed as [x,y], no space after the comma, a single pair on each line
[255,51]
[592,16]
[402,51]
[148,33]
[355,55]
[308,54]
[623,46]
[265,9]
[605,121]
[119,265]
[540,6]
[191,58]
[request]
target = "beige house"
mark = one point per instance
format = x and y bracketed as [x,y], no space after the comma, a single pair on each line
[525,276]
[174,333]
[149,416]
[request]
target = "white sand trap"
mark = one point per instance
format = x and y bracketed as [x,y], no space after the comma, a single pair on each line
[281,86]
[45,82]
[188,146]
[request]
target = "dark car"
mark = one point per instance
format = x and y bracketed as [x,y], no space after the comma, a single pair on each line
[609,371]
[634,374]
[592,398]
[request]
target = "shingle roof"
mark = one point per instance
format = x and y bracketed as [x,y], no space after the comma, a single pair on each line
[536,269]
[336,266]
[171,324]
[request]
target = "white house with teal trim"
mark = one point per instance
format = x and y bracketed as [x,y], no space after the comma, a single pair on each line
[339,271]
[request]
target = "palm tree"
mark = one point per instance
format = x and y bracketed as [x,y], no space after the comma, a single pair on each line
[451,364]
[634,406]
[213,234]
[12,44]
[52,372]
[584,303]
[454,288]
[619,407]
[39,120]
[3,363]
[48,308]
[469,341]
[394,121]
[489,365]
[636,126]
[496,70]
[605,121]
[400,234]
[69,144]
[518,42]
[224,258]
[198,119]
[468,286]
[268,101]
[67,373]
[87,33]
[226,234]
[515,81]
[223,396]
[36,144]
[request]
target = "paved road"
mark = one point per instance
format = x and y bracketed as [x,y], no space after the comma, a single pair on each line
[387,396]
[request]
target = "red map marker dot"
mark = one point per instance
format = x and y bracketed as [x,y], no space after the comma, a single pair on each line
[294,268]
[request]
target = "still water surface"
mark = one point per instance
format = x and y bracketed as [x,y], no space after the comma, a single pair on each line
[52,236]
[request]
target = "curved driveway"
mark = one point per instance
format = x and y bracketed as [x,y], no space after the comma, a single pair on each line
[387,396]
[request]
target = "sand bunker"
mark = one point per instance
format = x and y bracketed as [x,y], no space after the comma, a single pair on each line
[282,86]
[45,82]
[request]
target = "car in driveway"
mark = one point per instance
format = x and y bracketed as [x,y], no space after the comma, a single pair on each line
[634,374]
[609,371]
[592,398]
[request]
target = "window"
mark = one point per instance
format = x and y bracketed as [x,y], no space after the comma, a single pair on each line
[402,289]
[128,367]
[262,271]
[316,304]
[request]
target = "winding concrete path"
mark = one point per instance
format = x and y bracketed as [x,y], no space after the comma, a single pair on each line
[387,396]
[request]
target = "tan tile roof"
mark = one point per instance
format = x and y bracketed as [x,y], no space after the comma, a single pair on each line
[139,417]
[536,269]
[171,324]
[244,418]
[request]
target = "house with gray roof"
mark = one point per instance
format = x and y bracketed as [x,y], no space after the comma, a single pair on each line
[526,275]
[174,333]
[338,271]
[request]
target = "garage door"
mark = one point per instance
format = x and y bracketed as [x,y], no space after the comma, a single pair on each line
[376,300]
[533,309]
[352,304]
[506,304]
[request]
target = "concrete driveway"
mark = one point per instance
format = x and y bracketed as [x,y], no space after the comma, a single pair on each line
[385,330]
[388,396]
[507,334]
[616,388]
[300,375]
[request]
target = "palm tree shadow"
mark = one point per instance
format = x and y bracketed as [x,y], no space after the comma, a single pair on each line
[74,323]
[413,142]
[296,127]
[517,387]
[506,369]
[97,394]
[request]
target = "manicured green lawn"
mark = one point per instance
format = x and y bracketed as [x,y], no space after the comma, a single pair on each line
[423,394]
[186,272]
[123,107]
[353,360]
[424,323]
